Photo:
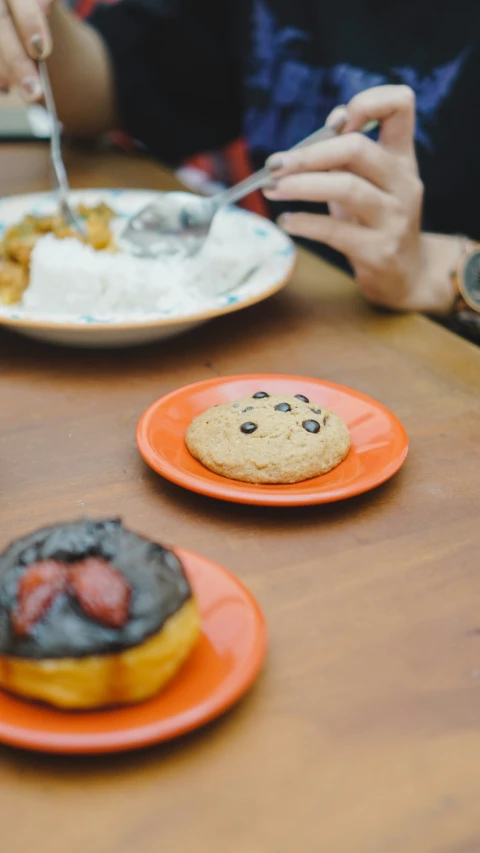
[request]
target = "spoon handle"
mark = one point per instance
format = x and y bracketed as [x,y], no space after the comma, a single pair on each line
[263,176]
[58,166]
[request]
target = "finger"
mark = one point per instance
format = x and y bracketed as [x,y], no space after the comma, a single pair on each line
[31,27]
[351,152]
[362,199]
[20,69]
[355,241]
[394,108]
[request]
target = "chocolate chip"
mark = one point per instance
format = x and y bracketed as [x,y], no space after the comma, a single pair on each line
[325,421]
[302,398]
[316,411]
[311,426]
[248,428]
[283,407]
[248,409]
[235,405]
[260,395]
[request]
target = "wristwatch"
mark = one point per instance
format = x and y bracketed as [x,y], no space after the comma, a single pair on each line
[466,279]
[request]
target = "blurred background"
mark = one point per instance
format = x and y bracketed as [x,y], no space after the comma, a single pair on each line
[206,173]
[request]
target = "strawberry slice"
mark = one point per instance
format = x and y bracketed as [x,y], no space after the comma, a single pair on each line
[102,591]
[37,590]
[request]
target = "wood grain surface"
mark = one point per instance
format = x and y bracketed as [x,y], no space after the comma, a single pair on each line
[363,732]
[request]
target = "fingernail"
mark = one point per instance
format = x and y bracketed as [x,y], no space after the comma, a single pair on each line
[32,88]
[274,164]
[272,185]
[337,118]
[38,47]
[284,220]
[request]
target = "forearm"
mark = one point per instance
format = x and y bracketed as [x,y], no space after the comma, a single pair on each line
[81,75]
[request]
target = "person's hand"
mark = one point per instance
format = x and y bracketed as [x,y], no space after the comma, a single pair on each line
[375,199]
[24,37]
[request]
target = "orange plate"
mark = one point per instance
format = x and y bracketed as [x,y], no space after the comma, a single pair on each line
[379,441]
[221,669]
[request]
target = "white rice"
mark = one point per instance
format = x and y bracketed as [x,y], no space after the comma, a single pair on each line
[69,278]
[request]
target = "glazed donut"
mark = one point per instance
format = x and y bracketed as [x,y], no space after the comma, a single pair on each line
[92,615]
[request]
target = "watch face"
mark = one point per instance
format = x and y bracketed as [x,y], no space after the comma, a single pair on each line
[471,281]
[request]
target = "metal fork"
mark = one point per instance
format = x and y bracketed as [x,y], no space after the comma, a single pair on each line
[60,174]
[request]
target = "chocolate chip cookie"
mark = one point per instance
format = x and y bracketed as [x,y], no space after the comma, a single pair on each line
[268,438]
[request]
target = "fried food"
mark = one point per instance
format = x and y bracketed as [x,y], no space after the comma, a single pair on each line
[93,615]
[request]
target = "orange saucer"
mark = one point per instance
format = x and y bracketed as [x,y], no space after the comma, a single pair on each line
[221,669]
[379,441]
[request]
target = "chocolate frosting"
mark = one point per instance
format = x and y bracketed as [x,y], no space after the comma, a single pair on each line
[155,575]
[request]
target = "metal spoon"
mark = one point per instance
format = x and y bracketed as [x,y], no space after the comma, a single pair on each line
[180,222]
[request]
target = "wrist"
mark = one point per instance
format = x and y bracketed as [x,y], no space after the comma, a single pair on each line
[440,256]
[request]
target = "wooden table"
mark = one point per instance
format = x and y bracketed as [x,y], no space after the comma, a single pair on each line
[363,733]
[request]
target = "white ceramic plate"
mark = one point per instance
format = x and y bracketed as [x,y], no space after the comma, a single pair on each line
[90,331]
